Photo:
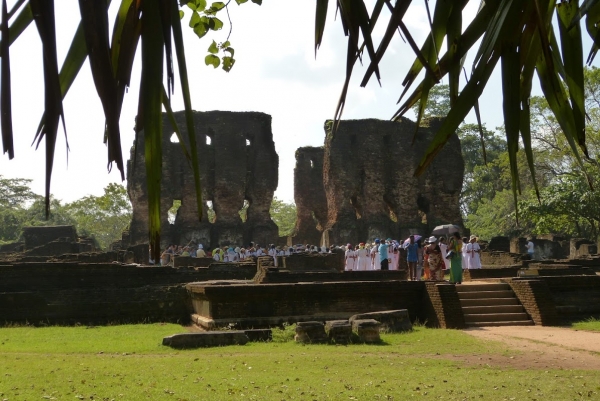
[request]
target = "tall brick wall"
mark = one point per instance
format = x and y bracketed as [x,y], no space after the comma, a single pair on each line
[442,306]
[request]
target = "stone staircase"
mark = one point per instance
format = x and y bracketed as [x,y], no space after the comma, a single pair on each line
[491,305]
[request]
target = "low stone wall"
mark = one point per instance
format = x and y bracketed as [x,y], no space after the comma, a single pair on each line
[314,261]
[186,261]
[259,305]
[57,293]
[534,269]
[499,258]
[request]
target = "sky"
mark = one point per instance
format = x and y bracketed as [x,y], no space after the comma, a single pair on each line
[276,72]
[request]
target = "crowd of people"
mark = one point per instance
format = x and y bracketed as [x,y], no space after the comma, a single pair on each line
[427,258]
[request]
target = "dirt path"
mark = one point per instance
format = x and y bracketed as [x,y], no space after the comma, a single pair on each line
[539,347]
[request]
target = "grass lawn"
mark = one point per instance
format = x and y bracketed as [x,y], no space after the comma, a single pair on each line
[129,363]
[589,324]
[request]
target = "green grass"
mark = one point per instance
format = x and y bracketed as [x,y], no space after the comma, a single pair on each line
[128,363]
[591,324]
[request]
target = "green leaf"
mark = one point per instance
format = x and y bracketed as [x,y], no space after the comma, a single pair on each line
[215,24]
[213,49]
[5,98]
[213,60]
[192,6]
[240,1]
[194,19]
[181,14]
[228,63]
[201,4]
[320,18]
[224,44]
[200,30]
[218,5]
[230,51]
[259,2]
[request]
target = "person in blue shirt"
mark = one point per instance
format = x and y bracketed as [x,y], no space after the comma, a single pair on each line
[383,255]
[411,257]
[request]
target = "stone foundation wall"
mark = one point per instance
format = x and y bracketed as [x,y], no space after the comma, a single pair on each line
[442,306]
[261,304]
[57,293]
[536,298]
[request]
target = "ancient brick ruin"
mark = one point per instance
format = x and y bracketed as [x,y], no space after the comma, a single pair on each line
[369,186]
[238,167]
[309,195]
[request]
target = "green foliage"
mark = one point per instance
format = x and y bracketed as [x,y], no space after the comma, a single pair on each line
[438,102]
[203,20]
[102,217]
[284,215]
[15,192]
[591,324]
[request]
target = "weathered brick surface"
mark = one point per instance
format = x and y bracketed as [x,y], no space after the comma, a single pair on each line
[100,293]
[240,164]
[536,298]
[309,196]
[371,191]
[37,236]
[441,306]
[328,300]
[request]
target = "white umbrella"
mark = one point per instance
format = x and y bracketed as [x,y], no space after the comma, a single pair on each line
[446,229]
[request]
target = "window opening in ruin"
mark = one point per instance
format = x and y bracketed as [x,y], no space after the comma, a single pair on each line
[423,205]
[357,209]
[243,212]
[210,211]
[172,213]
[248,143]
[391,212]
[208,140]
[174,138]
[312,164]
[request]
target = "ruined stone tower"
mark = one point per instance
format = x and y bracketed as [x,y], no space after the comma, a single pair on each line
[238,165]
[369,185]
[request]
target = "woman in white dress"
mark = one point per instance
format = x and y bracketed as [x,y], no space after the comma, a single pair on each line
[350,258]
[375,261]
[465,255]
[473,250]
[272,252]
[362,257]
[395,256]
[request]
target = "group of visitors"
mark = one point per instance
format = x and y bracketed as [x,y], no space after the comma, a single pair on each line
[426,259]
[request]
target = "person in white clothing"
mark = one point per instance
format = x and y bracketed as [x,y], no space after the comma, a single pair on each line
[375,262]
[465,256]
[362,257]
[350,258]
[530,248]
[473,250]
[395,256]
[272,252]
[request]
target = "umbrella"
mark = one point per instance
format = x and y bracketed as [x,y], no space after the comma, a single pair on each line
[446,229]
[417,237]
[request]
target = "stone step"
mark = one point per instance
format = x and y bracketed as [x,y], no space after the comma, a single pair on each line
[474,310]
[486,294]
[482,287]
[495,317]
[489,302]
[497,324]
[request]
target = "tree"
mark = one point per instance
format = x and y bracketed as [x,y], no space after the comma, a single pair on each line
[15,192]
[102,217]
[284,215]
[438,102]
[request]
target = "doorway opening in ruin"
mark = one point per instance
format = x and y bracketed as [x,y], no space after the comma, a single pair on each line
[174,138]
[423,205]
[243,212]
[210,211]
[208,140]
[172,213]
[356,206]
